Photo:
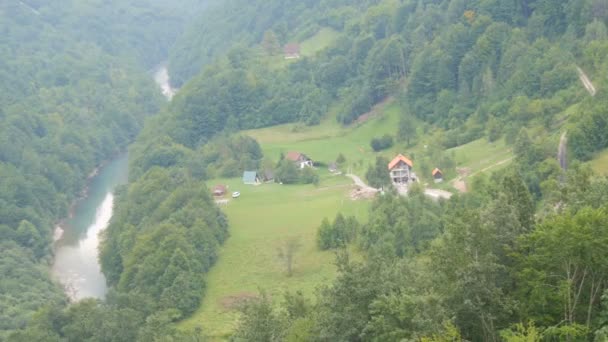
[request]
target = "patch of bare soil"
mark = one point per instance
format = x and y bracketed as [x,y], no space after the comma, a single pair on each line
[233,302]
[460,185]
[360,193]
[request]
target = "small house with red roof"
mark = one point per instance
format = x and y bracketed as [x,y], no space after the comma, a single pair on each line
[292,51]
[400,169]
[437,175]
[219,190]
[300,159]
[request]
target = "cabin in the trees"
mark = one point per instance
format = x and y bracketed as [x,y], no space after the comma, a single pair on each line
[219,190]
[251,178]
[292,51]
[400,169]
[437,175]
[300,159]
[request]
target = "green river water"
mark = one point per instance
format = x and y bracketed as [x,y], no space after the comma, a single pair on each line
[76,263]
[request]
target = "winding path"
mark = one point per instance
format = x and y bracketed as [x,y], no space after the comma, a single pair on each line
[433,193]
[360,183]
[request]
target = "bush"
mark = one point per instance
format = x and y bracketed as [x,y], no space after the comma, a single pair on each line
[287,172]
[383,143]
[309,176]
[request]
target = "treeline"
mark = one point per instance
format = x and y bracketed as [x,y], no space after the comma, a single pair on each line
[245,23]
[74,92]
[471,68]
[163,239]
[479,267]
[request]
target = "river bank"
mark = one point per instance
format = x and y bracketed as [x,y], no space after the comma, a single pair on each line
[76,264]
[76,238]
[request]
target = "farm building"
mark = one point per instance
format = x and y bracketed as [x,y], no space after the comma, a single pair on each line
[437,175]
[300,159]
[219,190]
[400,169]
[292,51]
[251,178]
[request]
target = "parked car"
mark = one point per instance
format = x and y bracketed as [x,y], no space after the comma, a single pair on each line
[236,194]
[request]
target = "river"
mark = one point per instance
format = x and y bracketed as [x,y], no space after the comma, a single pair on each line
[76,263]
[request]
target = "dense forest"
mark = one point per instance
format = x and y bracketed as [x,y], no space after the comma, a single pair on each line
[519,258]
[74,93]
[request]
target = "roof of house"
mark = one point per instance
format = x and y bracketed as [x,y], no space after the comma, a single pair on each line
[292,49]
[219,187]
[294,156]
[436,171]
[399,158]
[250,177]
[333,166]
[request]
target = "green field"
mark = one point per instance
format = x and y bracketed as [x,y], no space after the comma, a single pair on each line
[266,215]
[600,163]
[318,42]
[323,143]
[261,219]
[482,156]
[308,48]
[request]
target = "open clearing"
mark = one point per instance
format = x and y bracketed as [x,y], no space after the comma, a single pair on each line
[261,219]
[265,216]
[479,156]
[600,163]
[324,142]
[322,39]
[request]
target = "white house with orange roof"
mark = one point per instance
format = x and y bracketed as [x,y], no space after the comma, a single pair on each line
[400,169]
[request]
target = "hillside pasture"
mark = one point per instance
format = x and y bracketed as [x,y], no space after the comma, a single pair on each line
[261,220]
[599,164]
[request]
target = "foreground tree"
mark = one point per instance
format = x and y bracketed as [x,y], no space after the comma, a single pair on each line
[259,322]
[563,269]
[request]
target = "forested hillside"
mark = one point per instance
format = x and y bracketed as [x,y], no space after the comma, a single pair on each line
[521,257]
[74,93]
[468,70]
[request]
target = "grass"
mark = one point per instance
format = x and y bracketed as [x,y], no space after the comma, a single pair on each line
[600,163]
[266,215]
[261,219]
[481,155]
[324,142]
[318,42]
[308,48]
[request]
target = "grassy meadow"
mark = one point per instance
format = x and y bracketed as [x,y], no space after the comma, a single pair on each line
[265,216]
[261,220]
[323,143]
[322,39]
[600,163]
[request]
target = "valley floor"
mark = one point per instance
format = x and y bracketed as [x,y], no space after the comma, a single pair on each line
[261,219]
[264,216]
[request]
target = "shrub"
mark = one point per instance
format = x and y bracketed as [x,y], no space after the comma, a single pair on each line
[383,143]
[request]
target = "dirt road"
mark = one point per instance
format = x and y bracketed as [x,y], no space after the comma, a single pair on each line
[433,193]
[586,81]
[360,183]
